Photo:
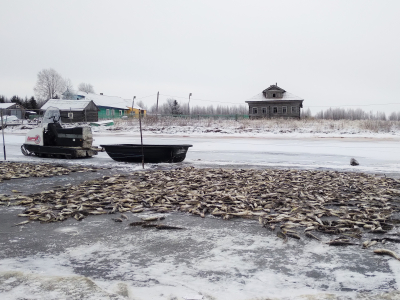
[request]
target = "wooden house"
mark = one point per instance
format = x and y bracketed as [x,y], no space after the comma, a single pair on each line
[74,110]
[275,102]
[13,109]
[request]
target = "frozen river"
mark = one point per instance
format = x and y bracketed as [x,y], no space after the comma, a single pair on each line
[212,259]
[374,155]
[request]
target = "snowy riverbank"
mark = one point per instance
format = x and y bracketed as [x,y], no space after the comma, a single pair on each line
[245,128]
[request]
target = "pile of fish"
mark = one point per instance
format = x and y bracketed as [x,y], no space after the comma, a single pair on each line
[323,202]
[14,170]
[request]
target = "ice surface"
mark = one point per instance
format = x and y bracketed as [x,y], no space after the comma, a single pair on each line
[212,258]
[94,259]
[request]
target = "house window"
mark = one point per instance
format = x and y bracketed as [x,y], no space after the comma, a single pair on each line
[264,110]
[275,109]
[274,95]
[294,110]
[284,109]
[255,110]
[70,115]
[107,112]
[112,112]
[121,112]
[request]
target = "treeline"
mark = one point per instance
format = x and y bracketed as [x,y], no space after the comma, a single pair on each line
[173,107]
[349,114]
[25,102]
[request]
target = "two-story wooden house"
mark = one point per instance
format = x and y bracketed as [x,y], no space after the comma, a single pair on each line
[275,102]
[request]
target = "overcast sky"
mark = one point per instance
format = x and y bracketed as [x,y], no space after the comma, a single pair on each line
[331,53]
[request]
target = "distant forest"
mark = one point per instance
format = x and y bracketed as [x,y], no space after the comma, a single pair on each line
[172,106]
[26,103]
[350,114]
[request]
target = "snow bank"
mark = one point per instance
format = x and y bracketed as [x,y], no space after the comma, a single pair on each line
[257,128]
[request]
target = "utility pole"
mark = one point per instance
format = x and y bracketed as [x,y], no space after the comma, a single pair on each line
[190,94]
[158,94]
[133,103]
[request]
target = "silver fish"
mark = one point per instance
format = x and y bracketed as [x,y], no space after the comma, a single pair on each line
[386,252]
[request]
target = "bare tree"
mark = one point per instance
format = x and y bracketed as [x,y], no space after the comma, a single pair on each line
[86,87]
[49,85]
[305,113]
[393,116]
[353,114]
[171,107]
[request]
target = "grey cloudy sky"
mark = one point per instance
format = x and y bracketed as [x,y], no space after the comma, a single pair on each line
[328,52]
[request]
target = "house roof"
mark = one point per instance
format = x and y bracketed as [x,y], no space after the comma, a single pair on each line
[75,105]
[274,87]
[286,96]
[108,101]
[6,105]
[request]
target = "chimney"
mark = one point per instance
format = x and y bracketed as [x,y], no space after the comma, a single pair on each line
[101,94]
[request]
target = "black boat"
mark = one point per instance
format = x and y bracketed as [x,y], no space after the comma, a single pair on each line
[152,153]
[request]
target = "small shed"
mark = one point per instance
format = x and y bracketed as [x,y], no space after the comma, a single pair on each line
[134,111]
[13,109]
[74,110]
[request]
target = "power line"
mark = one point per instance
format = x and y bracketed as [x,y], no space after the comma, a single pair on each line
[374,104]
[235,103]
[355,105]
[147,96]
[202,99]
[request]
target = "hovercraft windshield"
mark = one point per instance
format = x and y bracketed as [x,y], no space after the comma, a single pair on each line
[52,115]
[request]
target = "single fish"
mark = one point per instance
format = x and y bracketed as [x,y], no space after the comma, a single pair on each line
[116,220]
[310,228]
[368,244]
[22,223]
[310,235]
[281,235]
[378,230]
[340,243]
[137,223]
[386,252]
[151,219]
[161,226]
[293,235]
[149,225]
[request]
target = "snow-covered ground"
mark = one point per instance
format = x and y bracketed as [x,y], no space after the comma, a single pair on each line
[213,259]
[246,128]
